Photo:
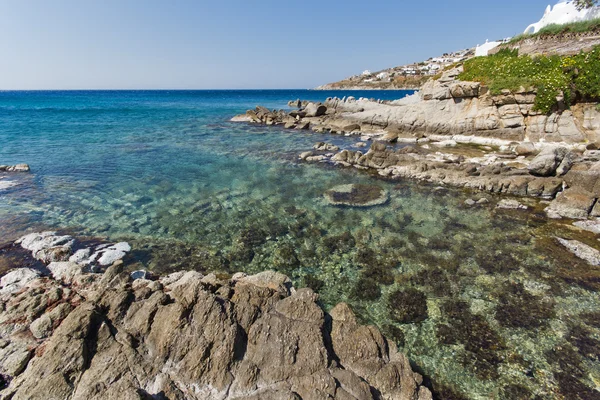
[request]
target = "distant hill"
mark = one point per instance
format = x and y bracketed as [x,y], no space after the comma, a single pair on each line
[409,76]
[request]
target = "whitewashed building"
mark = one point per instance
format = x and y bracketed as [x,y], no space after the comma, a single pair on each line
[563,12]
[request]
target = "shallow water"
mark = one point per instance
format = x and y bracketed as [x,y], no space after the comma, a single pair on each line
[484,302]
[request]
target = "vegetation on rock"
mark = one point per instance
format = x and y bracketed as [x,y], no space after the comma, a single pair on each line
[592,25]
[557,79]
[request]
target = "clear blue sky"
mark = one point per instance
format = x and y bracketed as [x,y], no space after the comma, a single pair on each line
[187,44]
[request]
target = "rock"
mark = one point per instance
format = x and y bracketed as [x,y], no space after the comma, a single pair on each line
[526,149]
[469,202]
[41,327]
[107,255]
[351,128]
[306,154]
[315,110]
[15,363]
[547,161]
[81,255]
[48,246]
[483,200]
[140,274]
[509,204]
[65,271]
[465,89]
[268,279]
[589,225]
[356,195]
[581,250]
[303,125]
[15,168]
[253,338]
[17,279]
[566,164]
[242,118]
[445,143]
[573,203]
[290,125]
[322,146]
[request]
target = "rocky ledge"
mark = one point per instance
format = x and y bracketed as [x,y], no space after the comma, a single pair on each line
[446,107]
[85,335]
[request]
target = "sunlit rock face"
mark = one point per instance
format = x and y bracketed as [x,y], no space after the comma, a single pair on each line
[563,12]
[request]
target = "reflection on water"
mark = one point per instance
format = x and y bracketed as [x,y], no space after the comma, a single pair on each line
[484,302]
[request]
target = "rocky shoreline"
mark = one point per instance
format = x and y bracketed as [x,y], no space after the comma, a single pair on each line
[457,134]
[74,333]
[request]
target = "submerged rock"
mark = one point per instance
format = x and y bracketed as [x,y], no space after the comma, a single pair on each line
[509,204]
[582,251]
[357,195]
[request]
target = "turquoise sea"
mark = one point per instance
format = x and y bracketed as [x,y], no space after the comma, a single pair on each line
[484,302]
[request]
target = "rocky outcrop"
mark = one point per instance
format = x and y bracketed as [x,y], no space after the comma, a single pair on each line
[50,247]
[449,107]
[14,168]
[188,336]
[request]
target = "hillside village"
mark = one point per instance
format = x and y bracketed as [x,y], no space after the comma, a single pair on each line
[404,76]
[413,76]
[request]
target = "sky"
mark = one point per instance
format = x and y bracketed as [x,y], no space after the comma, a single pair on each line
[231,44]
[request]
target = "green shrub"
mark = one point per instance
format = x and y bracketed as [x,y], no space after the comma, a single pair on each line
[551,76]
[557,29]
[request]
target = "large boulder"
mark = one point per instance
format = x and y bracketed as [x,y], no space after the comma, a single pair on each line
[573,203]
[315,110]
[546,163]
[465,89]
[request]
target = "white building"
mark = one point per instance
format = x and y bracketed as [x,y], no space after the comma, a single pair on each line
[366,73]
[483,50]
[563,12]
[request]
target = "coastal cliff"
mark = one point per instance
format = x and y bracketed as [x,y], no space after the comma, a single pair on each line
[82,335]
[448,106]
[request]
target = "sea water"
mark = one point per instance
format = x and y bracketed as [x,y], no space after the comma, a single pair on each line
[484,302]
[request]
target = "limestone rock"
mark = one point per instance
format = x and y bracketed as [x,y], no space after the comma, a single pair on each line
[315,110]
[48,246]
[546,162]
[17,279]
[573,203]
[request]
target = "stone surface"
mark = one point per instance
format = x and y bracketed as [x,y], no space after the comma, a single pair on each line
[315,110]
[573,203]
[15,168]
[17,279]
[581,250]
[547,161]
[589,225]
[509,204]
[187,336]
[356,195]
